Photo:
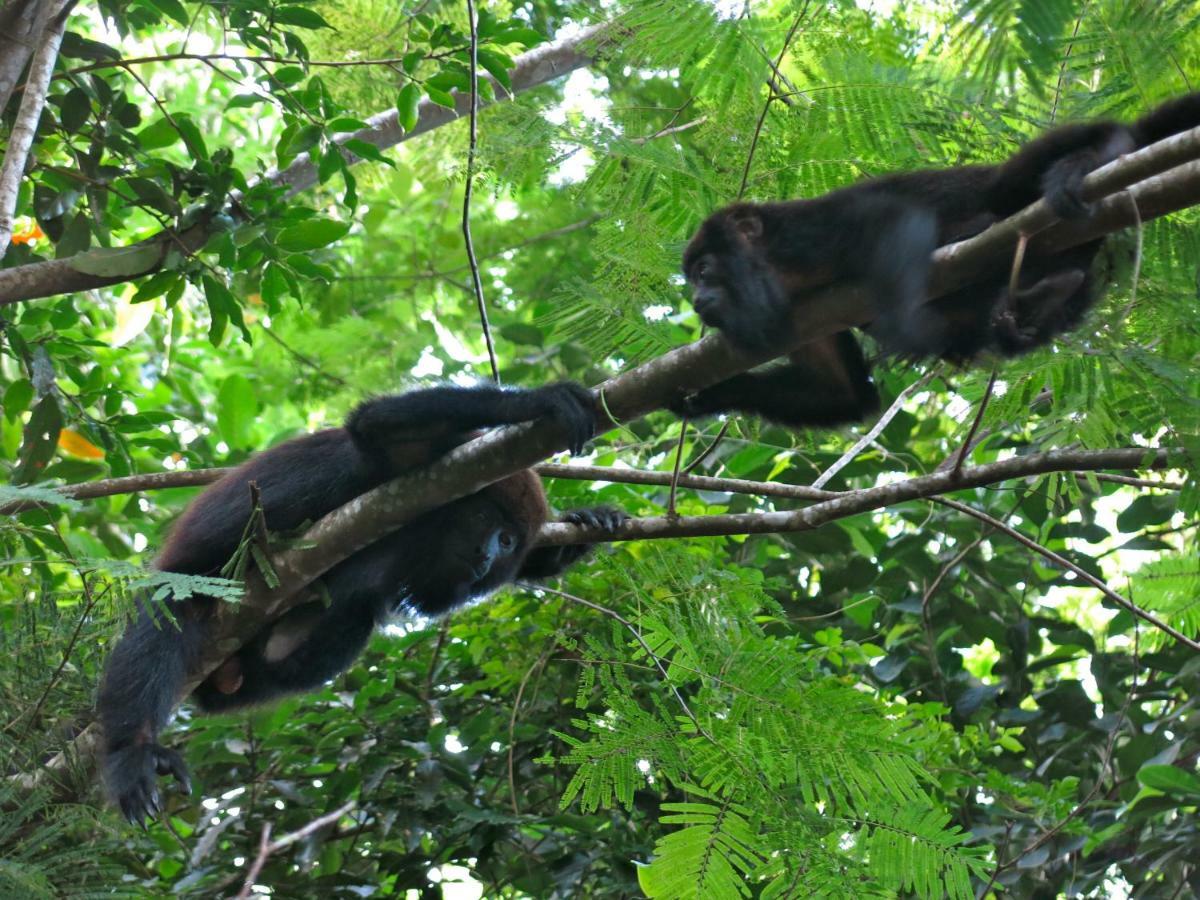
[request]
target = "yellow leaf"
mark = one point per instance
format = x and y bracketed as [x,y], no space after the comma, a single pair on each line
[132,319]
[77,445]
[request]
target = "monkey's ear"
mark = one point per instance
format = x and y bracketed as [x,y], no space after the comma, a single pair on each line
[748,224]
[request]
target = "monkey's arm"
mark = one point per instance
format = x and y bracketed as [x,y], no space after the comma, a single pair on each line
[826,383]
[546,562]
[447,415]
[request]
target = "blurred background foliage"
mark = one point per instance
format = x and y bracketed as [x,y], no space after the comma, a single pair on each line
[903,703]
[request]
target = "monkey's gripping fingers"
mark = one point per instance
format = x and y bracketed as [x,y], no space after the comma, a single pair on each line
[1063,185]
[607,518]
[131,774]
[573,408]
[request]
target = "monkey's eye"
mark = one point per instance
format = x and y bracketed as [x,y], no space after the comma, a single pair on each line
[507,540]
[702,268]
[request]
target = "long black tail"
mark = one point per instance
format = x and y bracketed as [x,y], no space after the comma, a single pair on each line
[1172,117]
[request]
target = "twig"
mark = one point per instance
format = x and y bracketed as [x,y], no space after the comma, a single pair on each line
[673,129]
[472,146]
[1138,482]
[24,129]
[266,846]
[966,444]
[512,730]
[890,413]
[762,117]
[1080,573]
[695,463]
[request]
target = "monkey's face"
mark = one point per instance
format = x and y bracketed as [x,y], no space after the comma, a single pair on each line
[476,548]
[733,286]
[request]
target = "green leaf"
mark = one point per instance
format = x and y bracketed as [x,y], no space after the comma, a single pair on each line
[274,285]
[288,75]
[527,37]
[441,98]
[408,106]
[497,64]
[76,108]
[1170,780]
[155,286]
[117,262]
[157,135]
[223,308]
[172,8]
[240,101]
[237,408]
[300,16]
[16,398]
[367,151]
[311,235]
[522,333]
[39,439]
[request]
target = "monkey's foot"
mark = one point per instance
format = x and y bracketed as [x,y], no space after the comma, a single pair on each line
[131,774]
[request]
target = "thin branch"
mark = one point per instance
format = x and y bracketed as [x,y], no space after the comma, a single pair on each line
[1080,573]
[266,847]
[846,458]
[851,503]
[1139,482]
[762,118]
[707,451]
[24,129]
[672,129]
[472,149]
[966,447]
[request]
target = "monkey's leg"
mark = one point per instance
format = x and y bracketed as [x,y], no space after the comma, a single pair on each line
[142,682]
[307,647]
[1055,164]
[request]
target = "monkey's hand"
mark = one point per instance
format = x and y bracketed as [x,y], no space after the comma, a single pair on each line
[608,518]
[131,774]
[573,408]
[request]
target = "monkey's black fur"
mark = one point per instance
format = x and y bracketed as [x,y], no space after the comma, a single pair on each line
[451,555]
[748,262]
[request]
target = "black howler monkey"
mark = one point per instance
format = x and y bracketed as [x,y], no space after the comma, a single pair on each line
[747,263]
[443,559]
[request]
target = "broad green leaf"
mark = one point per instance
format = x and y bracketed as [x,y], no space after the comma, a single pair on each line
[237,408]
[407,106]
[117,262]
[1170,780]
[311,235]
[301,16]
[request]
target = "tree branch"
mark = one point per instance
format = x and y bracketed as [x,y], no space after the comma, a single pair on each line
[533,69]
[851,503]
[20,138]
